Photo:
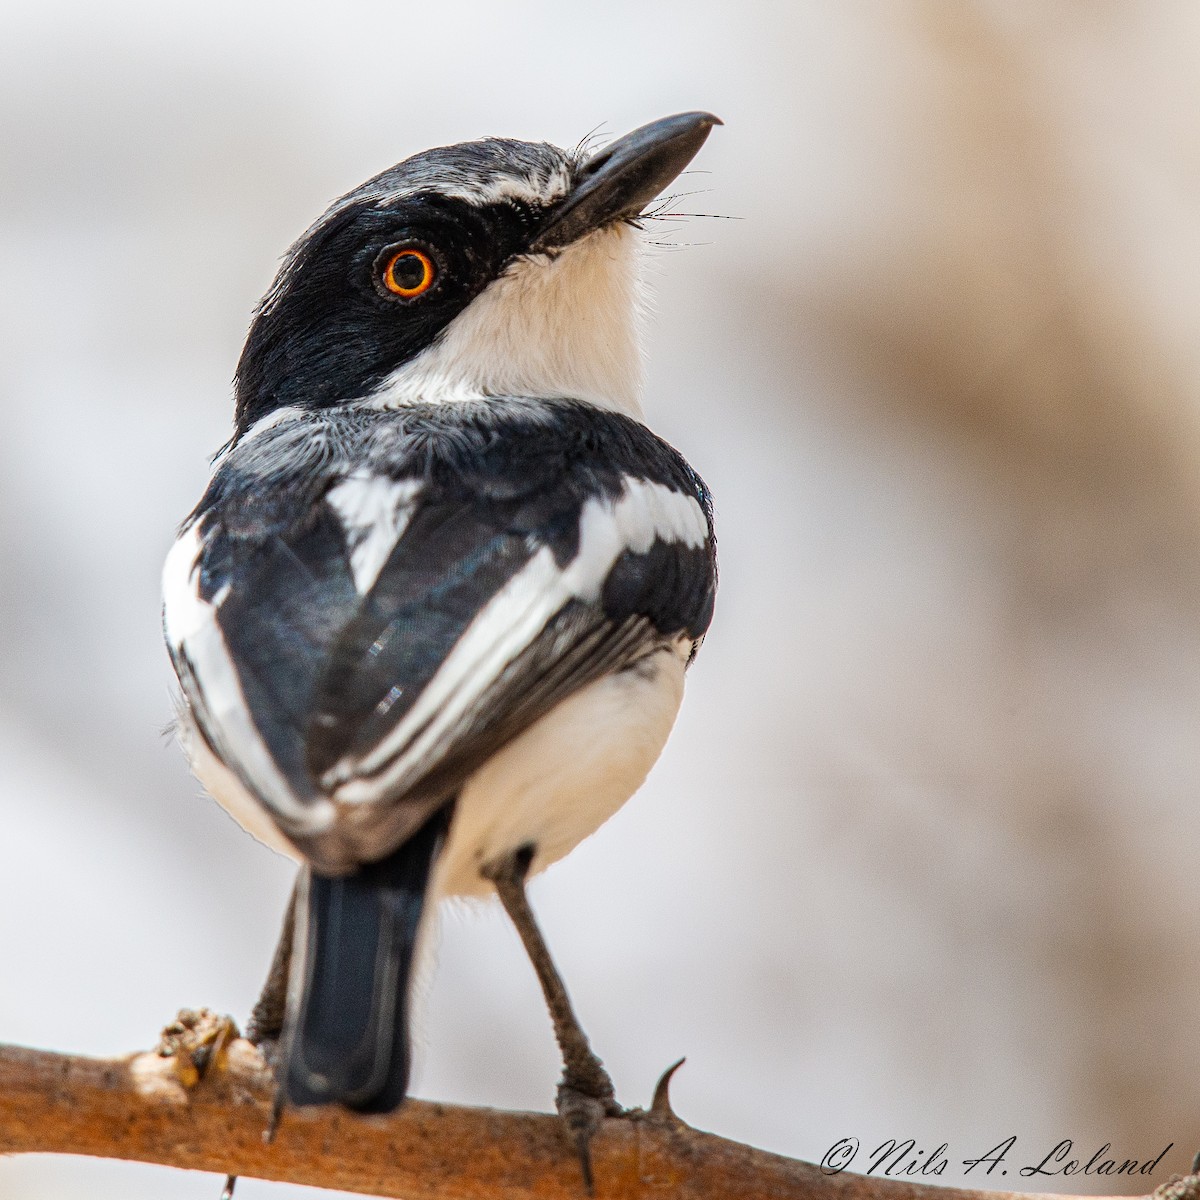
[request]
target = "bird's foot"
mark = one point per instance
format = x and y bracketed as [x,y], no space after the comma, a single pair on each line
[195,1041]
[585,1097]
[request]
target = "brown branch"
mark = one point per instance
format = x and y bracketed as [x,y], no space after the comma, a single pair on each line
[157,1108]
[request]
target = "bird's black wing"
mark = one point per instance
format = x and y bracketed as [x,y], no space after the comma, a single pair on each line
[366,605]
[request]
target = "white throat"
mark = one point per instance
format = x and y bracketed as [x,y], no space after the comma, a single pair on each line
[564,327]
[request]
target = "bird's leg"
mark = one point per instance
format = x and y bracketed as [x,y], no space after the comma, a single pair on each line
[266,1018]
[585,1094]
[265,1027]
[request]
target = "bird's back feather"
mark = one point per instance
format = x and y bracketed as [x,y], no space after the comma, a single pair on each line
[367,604]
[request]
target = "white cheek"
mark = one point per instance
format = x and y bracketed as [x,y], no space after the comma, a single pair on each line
[565,327]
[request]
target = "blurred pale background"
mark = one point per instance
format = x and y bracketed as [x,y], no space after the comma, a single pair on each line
[921,858]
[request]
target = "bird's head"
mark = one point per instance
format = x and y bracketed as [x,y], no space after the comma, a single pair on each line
[490,268]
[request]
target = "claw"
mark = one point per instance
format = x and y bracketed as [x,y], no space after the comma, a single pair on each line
[277,1103]
[583,1148]
[582,1114]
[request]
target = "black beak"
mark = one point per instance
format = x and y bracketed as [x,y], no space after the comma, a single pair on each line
[620,181]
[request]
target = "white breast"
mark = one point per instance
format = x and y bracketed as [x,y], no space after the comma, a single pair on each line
[565,775]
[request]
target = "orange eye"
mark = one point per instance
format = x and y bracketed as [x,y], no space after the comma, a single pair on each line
[409,274]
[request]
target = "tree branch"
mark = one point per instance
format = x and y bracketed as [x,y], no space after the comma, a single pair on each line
[203,1103]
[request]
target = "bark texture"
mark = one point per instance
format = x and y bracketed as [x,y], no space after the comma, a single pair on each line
[203,1102]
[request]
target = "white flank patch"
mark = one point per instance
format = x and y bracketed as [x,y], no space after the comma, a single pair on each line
[191,627]
[561,327]
[374,511]
[645,512]
[562,778]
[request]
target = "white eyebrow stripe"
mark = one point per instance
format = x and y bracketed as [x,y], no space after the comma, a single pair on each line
[645,512]
[533,187]
[539,184]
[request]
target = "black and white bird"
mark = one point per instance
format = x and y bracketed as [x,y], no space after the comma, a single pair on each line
[432,615]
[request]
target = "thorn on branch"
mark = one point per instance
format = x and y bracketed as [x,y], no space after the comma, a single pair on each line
[660,1106]
[137,1108]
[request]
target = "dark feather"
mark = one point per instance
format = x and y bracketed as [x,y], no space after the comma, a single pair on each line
[346,1040]
[327,672]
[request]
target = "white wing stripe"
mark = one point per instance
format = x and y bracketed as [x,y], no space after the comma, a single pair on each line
[184,613]
[511,620]
[645,512]
[374,511]
[192,629]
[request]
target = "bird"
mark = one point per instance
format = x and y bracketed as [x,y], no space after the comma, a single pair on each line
[432,615]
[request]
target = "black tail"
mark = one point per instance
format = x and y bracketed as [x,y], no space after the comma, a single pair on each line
[346,1039]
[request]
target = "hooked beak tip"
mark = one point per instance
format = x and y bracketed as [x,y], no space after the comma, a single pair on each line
[619,181]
